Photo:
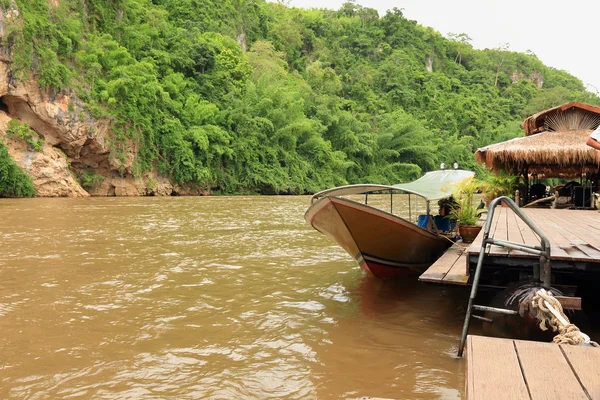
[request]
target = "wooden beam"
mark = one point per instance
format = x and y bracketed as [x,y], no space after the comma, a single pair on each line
[569,303]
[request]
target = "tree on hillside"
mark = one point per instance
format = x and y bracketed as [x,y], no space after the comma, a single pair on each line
[464,40]
[499,55]
[247,12]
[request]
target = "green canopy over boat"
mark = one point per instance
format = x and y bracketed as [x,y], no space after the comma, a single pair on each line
[434,185]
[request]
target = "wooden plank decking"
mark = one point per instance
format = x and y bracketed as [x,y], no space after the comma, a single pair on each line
[518,369]
[574,236]
[450,268]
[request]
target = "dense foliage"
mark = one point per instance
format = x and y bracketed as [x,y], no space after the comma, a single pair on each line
[24,132]
[14,182]
[245,95]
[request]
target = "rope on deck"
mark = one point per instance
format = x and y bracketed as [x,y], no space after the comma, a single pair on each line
[549,312]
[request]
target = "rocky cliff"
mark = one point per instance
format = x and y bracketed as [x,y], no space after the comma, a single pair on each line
[69,145]
[70,140]
[72,144]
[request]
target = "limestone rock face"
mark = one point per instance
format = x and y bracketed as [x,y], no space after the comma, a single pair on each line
[67,132]
[189,191]
[117,187]
[47,168]
[74,145]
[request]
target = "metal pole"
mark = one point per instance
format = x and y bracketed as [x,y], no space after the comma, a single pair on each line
[523,248]
[491,321]
[391,201]
[495,310]
[544,271]
[486,234]
[409,209]
[467,322]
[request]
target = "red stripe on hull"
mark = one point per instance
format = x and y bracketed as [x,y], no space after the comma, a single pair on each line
[383,271]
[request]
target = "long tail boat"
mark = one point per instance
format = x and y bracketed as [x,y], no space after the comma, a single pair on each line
[384,244]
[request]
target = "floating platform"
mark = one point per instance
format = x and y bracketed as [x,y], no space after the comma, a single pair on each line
[574,237]
[518,369]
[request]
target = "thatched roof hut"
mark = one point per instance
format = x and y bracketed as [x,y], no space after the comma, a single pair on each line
[553,145]
[539,122]
[547,153]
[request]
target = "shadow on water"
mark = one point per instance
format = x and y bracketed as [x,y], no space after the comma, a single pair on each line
[411,297]
[400,341]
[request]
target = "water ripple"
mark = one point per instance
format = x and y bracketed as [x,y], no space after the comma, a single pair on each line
[220,297]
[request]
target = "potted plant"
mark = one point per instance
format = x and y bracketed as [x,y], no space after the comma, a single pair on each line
[466,210]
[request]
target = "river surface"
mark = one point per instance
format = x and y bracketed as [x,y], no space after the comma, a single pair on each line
[208,298]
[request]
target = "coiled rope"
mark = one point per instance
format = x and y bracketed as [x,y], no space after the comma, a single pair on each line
[549,312]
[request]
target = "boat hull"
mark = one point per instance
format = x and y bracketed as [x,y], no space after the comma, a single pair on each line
[383,244]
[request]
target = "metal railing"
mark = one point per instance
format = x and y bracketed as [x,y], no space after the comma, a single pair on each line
[541,273]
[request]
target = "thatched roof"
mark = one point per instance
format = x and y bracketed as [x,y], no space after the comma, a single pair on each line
[539,122]
[550,153]
[554,144]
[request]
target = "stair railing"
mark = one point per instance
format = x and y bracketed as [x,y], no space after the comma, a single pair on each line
[541,273]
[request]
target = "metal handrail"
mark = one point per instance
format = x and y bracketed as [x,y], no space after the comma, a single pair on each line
[542,273]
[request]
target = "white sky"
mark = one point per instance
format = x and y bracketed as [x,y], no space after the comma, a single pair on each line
[564,35]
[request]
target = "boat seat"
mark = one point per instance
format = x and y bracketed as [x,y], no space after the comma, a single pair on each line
[443,224]
[422,221]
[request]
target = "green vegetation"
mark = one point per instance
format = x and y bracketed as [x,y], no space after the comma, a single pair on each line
[249,96]
[24,132]
[151,185]
[499,184]
[89,179]
[14,182]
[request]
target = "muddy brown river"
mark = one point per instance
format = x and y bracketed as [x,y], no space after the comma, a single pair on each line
[208,298]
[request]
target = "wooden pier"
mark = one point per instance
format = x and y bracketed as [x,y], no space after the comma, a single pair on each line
[518,369]
[450,268]
[574,240]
